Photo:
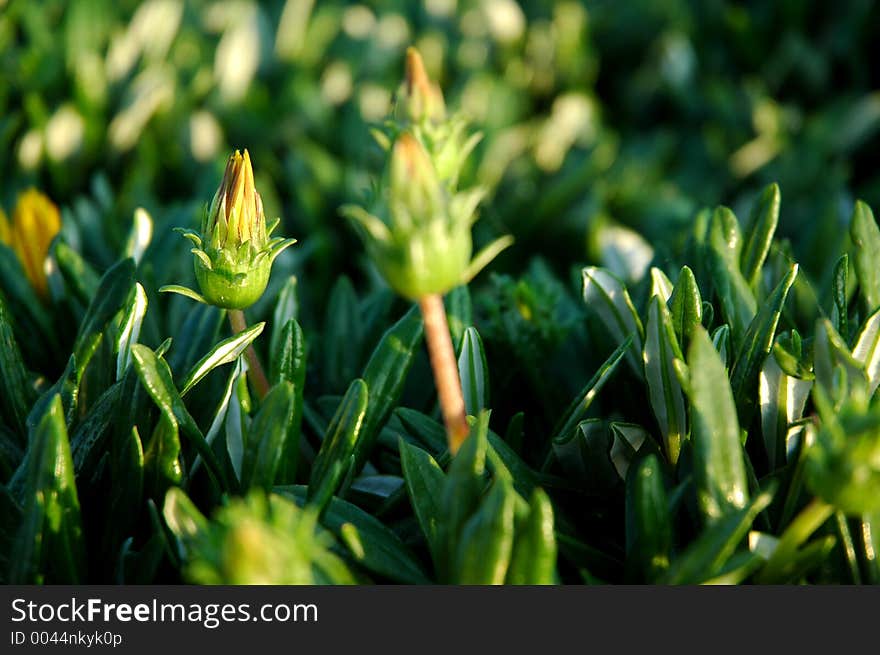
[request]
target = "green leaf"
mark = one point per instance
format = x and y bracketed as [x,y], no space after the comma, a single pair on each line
[533,561]
[870,546]
[664,390]
[866,238]
[578,408]
[197,334]
[35,331]
[289,364]
[867,350]
[130,328]
[184,291]
[337,449]
[162,467]
[719,470]
[628,440]
[286,308]
[155,376]
[425,483]
[111,296]
[370,542]
[127,477]
[341,337]
[140,236]
[49,546]
[755,346]
[762,227]
[474,372]
[607,296]
[183,518]
[265,442]
[225,352]
[385,374]
[461,495]
[484,548]
[686,305]
[829,354]
[706,556]
[649,537]
[459,313]
[586,456]
[79,277]
[430,433]
[738,305]
[840,311]
[782,398]
[18,394]
[661,285]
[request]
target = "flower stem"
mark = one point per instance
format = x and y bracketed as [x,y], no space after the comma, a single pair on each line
[255,370]
[445,368]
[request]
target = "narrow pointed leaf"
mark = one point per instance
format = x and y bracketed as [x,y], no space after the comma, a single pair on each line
[113,291]
[719,469]
[867,350]
[755,346]
[686,305]
[473,372]
[738,304]
[130,330]
[424,483]
[385,374]
[225,352]
[337,449]
[649,524]
[706,556]
[266,436]
[49,545]
[865,236]
[762,227]
[485,546]
[606,295]
[664,390]
[17,395]
[533,561]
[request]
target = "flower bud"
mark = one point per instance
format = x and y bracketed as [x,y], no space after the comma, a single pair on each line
[233,253]
[35,222]
[418,232]
[419,99]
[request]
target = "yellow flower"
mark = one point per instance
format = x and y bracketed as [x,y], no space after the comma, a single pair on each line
[35,222]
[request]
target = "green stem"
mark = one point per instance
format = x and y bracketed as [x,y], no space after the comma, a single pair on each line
[801,528]
[255,370]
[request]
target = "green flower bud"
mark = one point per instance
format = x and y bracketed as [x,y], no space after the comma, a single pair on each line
[843,465]
[233,253]
[420,108]
[419,99]
[418,232]
[263,539]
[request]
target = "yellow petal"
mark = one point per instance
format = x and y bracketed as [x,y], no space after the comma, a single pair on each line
[36,221]
[5,229]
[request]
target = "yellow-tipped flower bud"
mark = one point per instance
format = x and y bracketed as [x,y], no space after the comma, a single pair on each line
[420,99]
[35,222]
[233,253]
[417,231]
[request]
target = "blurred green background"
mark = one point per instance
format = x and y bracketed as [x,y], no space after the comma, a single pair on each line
[607,125]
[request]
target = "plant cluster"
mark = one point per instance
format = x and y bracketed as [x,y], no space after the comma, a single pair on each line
[693,407]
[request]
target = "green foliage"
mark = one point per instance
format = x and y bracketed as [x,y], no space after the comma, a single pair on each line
[672,375]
